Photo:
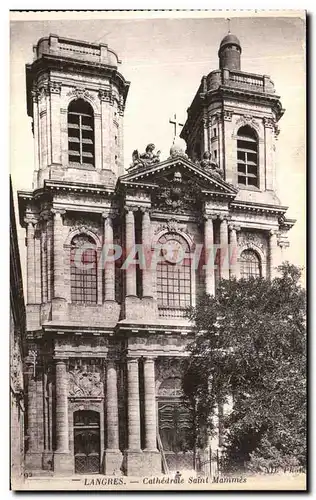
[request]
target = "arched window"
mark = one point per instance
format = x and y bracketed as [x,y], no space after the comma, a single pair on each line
[247,157]
[174,273]
[83,270]
[80,133]
[250,265]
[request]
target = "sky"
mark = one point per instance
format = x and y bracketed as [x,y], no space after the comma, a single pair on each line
[164,57]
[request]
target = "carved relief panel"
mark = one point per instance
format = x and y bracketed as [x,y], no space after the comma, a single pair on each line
[86,379]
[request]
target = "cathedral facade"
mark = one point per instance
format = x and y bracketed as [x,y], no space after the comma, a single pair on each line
[107,292]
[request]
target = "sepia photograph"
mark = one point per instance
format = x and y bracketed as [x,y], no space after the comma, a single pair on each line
[158,250]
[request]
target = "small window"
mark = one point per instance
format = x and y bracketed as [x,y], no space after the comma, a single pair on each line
[83,277]
[80,133]
[214,132]
[174,281]
[215,154]
[250,265]
[247,157]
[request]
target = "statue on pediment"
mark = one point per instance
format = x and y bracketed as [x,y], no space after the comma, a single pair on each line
[208,164]
[146,159]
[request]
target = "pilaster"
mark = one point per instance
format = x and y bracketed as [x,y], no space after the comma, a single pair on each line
[112,456]
[55,122]
[209,255]
[146,248]
[273,251]
[130,272]
[30,270]
[224,257]
[233,251]
[59,301]
[63,461]
[109,264]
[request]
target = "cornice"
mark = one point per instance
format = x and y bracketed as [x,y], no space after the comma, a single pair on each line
[62,63]
[76,187]
[256,207]
[250,96]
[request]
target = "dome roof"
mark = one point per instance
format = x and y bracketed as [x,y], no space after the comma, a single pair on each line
[178,148]
[229,39]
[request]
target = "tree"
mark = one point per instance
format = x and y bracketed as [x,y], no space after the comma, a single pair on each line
[250,344]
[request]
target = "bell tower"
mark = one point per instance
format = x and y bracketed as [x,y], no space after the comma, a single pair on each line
[229,53]
[234,116]
[76,99]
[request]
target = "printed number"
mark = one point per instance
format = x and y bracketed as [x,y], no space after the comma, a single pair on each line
[27,474]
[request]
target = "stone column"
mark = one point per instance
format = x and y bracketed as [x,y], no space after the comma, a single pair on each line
[273,250]
[62,463]
[209,256]
[146,244]
[129,247]
[44,260]
[150,405]
[224,261]
[58,254]
[36,137]
[133,405]
[49,246]
[43,135]
[30,238]
[112,407]
[109,264]
[205,132]
[233,251]
[33,459]
[62,438]
[112,455]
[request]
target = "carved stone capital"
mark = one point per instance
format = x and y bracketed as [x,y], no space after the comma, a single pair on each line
[224,217]
[42,92]
[58,213]
[45,214]
[145,210]
[227,115]
[130,208]
[234,227]
[273,232]
[30,220]
[54,87]
[268,122]
[106,95]
[213,216]
[108,215]
[35,95]
[132,359]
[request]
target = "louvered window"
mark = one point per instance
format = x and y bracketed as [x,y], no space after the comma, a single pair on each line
[247,157]
[80,133]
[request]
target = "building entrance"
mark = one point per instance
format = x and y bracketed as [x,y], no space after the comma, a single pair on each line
[87,442]
[175,426]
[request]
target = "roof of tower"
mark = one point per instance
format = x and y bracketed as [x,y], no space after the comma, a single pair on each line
[229,39]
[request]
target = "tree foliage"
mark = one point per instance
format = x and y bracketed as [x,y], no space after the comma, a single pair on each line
[251,344]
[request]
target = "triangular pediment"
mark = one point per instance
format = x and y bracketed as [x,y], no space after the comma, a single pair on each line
[179,169]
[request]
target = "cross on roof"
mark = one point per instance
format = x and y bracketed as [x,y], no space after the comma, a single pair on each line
[175,124]
[228,22]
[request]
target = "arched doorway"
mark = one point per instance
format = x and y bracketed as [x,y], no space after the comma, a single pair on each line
[87,442]
[175,426]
